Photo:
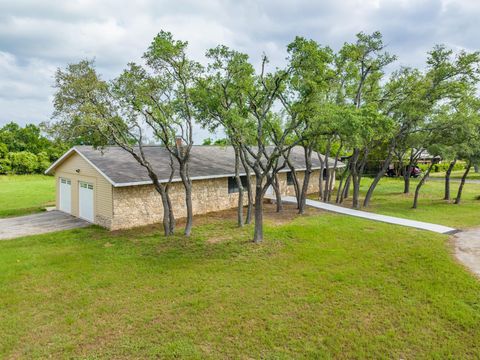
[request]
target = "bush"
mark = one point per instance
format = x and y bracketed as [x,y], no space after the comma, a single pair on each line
[5,166]
[442,167]
[3,151]
[43,162]
[23,162]
[423,167]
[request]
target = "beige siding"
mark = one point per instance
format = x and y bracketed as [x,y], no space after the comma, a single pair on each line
[102,188]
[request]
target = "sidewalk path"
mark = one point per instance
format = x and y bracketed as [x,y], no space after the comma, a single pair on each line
[371,216]
[454,180]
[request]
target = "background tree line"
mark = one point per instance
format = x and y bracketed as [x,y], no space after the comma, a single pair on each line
[25,150]
[339,103]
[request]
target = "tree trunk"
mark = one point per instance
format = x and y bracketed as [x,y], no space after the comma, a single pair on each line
[355,179]
[258,233]
[167,230]
[296,185]
[399,171]
[346,190]
[345,173]
[320,177]
[420,184]
[406,180]
[327,172]
[306,178]
[476,168]
[248,218]
[356,192]
[240,189]
[406,175]
[171,216]
[187,183]
[462,183]
[447,179]
[168,227]
[332,175]
[278,195]
[377,179]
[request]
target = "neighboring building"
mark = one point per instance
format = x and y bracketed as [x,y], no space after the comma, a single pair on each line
[111,189]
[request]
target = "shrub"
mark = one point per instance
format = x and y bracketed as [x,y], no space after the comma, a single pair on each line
[23,162]
[43,162]
[423,167]
[442,167]
[5,166]
[3,151]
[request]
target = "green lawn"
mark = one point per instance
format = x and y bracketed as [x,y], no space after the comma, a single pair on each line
[472,175]
[389,199]
[24,194]
[320,286]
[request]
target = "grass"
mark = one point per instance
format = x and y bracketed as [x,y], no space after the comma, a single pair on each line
[389,199]
[321,286]
[25,194]
[472,175]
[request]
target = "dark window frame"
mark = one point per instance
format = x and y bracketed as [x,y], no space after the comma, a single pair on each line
[290,178]
[232,184]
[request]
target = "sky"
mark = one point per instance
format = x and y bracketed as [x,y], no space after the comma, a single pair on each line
[37,37]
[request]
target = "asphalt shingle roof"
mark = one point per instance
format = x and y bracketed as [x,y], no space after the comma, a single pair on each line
[205,162]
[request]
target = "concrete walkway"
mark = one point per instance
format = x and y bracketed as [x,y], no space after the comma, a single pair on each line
[467,249]
[371,216]
[467,181]
[35,224]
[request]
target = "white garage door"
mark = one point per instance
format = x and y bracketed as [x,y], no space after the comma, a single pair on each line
[85,201]
[65,195]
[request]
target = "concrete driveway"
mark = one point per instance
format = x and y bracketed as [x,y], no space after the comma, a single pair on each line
[42,223]
[467,249]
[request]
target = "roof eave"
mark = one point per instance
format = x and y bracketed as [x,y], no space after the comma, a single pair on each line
[207,177]
[74,149]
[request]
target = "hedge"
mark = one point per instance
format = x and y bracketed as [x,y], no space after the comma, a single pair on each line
[442,167]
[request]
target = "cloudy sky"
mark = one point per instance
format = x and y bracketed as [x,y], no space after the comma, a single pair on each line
[36,36]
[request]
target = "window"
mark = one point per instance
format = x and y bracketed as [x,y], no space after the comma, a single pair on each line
[66,181]
[289,178]
[86,185]
[232,184]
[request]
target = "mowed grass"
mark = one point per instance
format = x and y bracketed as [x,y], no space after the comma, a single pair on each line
[389,199]
[322,286]
[25,194]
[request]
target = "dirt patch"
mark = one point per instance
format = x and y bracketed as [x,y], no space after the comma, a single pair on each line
[288,213]
[270,216]
[467,249]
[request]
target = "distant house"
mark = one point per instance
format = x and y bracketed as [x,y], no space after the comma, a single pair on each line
[111,189]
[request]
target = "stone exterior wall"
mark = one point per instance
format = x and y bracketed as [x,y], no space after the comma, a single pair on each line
[142,205]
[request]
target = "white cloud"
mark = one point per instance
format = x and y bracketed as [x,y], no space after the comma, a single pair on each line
[36,37]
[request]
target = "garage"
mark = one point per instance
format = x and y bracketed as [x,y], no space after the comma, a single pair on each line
[65,195]
[85,201]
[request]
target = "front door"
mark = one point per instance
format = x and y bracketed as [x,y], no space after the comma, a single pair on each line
[65,201]
[85,201]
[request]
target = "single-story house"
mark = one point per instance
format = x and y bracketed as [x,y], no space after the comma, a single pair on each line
[110,188]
